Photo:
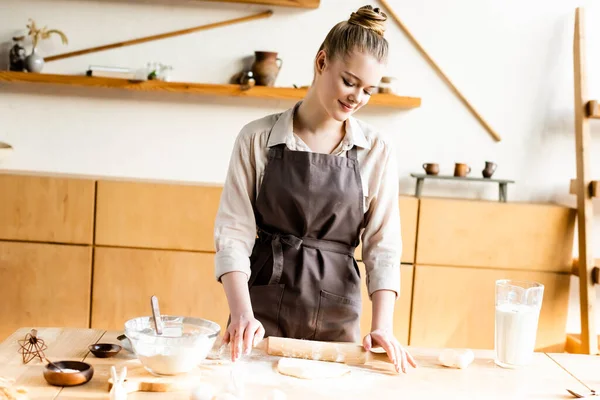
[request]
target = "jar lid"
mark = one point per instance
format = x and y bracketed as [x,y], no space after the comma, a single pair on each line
[387,79]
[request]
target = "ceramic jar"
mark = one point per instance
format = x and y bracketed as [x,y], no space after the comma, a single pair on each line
[266,67]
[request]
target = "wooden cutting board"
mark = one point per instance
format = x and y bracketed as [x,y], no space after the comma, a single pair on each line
[140,380]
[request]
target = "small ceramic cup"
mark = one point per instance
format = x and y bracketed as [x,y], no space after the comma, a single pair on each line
[431,168]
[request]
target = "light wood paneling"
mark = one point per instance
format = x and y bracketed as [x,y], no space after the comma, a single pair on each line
[46,209]
[454,307]
[125,279]
[162,216]
[495,235]
[409,212]
[401,309]
[44,285]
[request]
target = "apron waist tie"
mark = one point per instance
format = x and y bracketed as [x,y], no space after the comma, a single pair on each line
[278,239]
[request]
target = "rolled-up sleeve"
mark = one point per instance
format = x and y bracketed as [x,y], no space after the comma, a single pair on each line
[381,238]
[235,225]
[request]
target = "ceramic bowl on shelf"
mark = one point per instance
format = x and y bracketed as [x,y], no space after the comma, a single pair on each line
[184,343]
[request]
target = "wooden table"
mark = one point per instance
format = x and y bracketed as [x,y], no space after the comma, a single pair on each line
[545,378]
[502,183]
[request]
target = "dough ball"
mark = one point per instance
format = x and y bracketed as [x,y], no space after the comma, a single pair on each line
[310,369]
[456,358]
[276,394]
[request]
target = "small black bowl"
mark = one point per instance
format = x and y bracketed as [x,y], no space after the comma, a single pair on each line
[105,350]
[82,373]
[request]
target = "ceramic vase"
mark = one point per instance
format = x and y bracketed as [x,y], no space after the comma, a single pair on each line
[34,62]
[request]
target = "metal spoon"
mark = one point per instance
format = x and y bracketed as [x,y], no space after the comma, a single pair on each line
[54,365]
[156,315]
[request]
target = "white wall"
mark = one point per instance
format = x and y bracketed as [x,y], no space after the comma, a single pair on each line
[511,58]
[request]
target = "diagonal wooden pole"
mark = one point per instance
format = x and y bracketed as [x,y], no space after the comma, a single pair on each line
[433,64]
[263,14]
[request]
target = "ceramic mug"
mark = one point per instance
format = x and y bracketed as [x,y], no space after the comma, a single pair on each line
[461,170]
[431,168]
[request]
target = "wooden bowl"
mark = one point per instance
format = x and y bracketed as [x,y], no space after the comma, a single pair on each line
[83,374]
[105,350]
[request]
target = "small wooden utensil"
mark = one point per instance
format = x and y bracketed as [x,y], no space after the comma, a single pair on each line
[348,353]
[156,315]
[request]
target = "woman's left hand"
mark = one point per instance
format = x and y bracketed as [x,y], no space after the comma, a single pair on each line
[397,354]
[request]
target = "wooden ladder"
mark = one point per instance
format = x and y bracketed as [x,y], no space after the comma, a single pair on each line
[585,188]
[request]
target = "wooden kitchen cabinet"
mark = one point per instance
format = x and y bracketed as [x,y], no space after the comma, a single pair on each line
[401,309]
[125,279]
[455,307]
[467,233]
[44,285]
[156,215]
[46,209]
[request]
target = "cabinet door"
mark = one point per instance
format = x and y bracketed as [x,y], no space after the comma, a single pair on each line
[161,216]
[46,209]
[125,279]
[401,309]
[455,307]
[467,233]
[44,285]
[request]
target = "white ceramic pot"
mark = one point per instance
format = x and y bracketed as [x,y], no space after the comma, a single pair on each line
[34,62]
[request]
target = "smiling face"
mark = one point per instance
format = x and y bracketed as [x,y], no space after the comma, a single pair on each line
[345,84]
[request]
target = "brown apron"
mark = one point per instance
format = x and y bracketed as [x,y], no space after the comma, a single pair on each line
[305,282]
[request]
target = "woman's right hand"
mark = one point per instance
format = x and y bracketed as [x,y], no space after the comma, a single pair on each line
[243,333]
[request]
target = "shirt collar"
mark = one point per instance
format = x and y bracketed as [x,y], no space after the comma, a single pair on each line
[283,129]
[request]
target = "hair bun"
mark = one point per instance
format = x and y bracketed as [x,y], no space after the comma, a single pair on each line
[369,18]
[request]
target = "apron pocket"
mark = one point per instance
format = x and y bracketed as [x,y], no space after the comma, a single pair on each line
[337,318]
[266,304]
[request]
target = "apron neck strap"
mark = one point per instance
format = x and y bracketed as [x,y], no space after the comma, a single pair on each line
[351,154]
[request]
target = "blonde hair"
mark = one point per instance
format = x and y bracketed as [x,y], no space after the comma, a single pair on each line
[363,31]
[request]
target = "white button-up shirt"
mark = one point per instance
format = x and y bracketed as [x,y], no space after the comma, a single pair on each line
[235,224]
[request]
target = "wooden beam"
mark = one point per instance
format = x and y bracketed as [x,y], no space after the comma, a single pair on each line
[264,14]
[593,188]
[587,295]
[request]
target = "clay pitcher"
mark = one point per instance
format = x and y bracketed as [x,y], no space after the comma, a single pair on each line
[489,169]
[266,67]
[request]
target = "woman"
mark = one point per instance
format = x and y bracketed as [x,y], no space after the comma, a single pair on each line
[303,188]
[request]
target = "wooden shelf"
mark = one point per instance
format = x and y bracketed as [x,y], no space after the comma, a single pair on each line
[281,93]
[286,3]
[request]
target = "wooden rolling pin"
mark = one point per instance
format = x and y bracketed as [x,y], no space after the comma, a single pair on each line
[348,353]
